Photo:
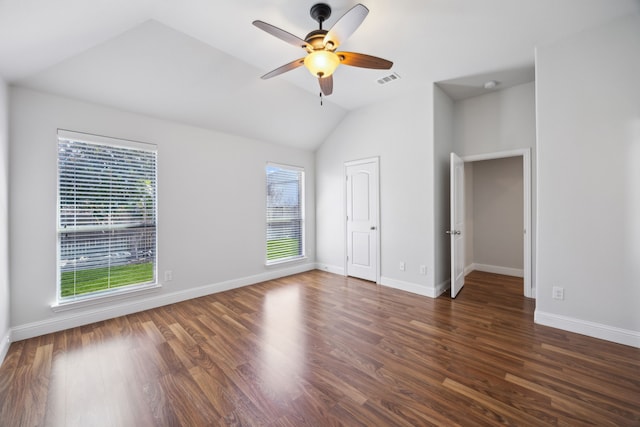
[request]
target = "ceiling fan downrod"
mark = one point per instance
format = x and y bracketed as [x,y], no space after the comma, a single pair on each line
[320,12]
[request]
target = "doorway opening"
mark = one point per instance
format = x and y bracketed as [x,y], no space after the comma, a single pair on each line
[498,215]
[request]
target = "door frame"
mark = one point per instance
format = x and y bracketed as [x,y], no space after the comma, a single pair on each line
[529,286]
[348,164]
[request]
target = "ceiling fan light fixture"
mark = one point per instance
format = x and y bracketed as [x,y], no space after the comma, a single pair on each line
[321,63]
[320,46]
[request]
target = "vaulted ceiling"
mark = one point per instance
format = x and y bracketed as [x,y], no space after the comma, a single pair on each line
[199,61]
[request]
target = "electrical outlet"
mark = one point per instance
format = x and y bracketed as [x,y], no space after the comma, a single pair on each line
[403,267]
[168,276]
[557,293]
[423,269]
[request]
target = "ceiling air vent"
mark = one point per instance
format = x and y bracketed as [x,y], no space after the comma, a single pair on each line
[388,79]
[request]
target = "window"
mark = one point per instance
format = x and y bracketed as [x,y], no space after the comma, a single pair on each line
[285,213]
[106,215]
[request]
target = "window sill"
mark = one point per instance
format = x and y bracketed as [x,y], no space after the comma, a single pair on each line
[90,300]
[286,261]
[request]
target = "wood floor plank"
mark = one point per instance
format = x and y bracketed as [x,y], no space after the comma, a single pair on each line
[506,414]
[318,349]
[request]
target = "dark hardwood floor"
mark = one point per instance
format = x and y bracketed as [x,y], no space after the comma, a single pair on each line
[318,349]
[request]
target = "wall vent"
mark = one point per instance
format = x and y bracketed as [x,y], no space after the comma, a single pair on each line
[388,79]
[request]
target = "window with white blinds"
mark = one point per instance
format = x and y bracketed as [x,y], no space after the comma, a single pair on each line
[106,215]
[285,213]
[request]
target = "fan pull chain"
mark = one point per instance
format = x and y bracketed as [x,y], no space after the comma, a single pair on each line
[321,99]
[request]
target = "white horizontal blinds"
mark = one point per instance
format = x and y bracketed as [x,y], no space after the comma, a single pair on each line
[285,213]
[106,214]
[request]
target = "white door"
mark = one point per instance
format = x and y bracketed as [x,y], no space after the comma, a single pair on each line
[362,219]
[457,224]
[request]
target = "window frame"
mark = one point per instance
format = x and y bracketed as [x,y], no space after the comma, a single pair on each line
[301,219]
[117,292]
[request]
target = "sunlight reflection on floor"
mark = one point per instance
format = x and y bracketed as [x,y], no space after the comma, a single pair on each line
[284,340]
[91,385]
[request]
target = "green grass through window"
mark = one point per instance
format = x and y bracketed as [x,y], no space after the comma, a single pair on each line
[282,248]
[100,279]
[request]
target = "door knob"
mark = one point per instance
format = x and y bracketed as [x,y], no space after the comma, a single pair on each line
[373,227]
[453,232]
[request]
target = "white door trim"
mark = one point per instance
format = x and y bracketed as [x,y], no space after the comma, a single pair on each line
[529,286]
[375,160]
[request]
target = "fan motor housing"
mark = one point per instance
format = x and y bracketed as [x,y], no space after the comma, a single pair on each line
[316,39]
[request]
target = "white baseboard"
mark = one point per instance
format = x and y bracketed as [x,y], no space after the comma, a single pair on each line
[5,343]
[73,318]
[442,287]
[496,269]
[591,329]
[427,291]
[468,269]
[330,268]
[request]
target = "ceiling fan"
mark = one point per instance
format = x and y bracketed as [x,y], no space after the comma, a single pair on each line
[322,59]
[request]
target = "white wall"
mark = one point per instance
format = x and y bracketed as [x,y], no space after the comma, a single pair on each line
[4,221]
[400,132]
[503,120]
[588,99]
[211,207]
[443,113]
[498,215]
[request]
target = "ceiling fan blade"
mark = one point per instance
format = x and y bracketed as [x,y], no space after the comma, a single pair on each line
[326,85]
[364,61]
[282,34]
[346,25]
[283,69]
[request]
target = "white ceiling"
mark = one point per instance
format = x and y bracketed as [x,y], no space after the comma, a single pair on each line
[199,61]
